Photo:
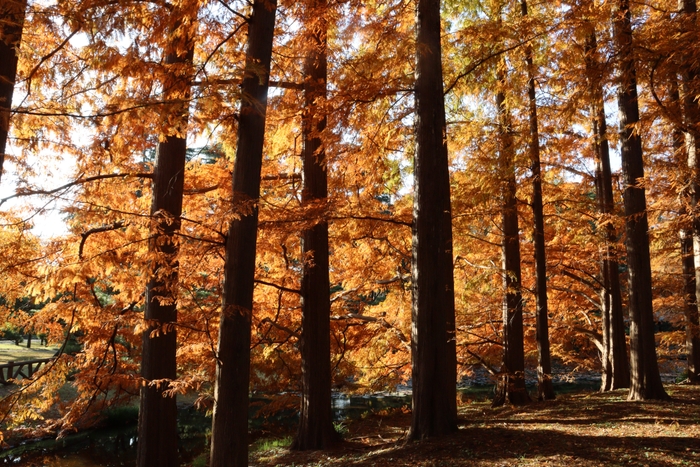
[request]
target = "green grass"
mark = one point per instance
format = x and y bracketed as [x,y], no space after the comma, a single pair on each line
[9,352]
[268,444]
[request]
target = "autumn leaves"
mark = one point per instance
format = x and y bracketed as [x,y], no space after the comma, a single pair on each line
[312,187]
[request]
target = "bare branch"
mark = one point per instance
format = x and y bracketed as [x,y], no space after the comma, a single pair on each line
[483,363]
[281,328]
[105,228]
[79,181]
[278,287]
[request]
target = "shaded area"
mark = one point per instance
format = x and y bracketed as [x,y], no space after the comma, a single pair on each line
[583,429]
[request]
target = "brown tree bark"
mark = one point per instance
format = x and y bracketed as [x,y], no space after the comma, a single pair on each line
[644,369]
[157,429]
[511,386]
[692,340]
[229,438]
[434,357]
[545,390]
[11,22]
[691,114]
[315,417]
[615,373]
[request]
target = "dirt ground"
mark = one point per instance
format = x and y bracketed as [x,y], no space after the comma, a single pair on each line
[583,429]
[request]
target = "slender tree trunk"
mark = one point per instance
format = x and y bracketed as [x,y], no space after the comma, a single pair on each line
[645,378]
[691,113]
[158,438]
[229,438]
[315,418]
[11,22]
[545,390]
[614,359]
[692,341]
[511,386]
[434,358]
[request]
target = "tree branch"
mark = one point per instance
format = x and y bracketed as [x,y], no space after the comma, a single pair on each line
[278,287]
[105,228]
[280,327]
[79,181]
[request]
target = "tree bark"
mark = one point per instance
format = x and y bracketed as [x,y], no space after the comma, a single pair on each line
[511,386]
[11,23]
[434,357]
[645,378]
[315,417]
[545,390]
[157,429]
[691,114]
[692,342]
[615,373]
[229,438]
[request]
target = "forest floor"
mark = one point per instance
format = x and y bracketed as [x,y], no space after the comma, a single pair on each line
[579,429]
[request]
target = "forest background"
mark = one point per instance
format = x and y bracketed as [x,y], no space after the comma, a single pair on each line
[103,88]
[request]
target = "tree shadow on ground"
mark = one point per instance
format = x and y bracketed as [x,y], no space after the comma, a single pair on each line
[578,430]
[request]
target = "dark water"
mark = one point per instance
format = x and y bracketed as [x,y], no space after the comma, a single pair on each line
[106,447]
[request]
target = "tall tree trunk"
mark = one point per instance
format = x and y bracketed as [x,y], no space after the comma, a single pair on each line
[434,357]
[645,378]
[692,341]
[157,430]
[315,418]
[229,438]
[511,386]
[614,359]
[11,22]
[545,390]
[691,113]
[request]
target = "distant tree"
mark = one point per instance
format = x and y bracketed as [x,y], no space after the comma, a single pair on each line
[545,390]
[615,374]
[511,385]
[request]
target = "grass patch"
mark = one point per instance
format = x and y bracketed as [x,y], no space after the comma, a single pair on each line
[270,444]
[9,352]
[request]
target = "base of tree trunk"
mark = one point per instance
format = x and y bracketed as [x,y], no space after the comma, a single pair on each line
[321,441]
[545,389]
[511,388]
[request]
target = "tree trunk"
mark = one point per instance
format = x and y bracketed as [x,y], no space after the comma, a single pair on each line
[692,342]
[229,438]
[29,340]
[691,113]
[315,417]
[434,358]
[11,22]
[511,386]
[545,390]
[157,430]
[645,378]
[614,359]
